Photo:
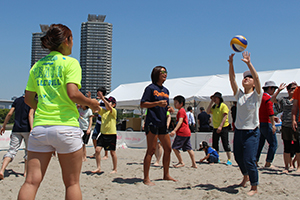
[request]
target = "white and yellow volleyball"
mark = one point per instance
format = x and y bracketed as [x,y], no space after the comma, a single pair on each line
[238,43]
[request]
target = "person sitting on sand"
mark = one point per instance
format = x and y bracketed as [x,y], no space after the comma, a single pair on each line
[108,137]
[211,155]
[183,133]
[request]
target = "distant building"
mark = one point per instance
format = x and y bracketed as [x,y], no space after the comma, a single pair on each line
[37,52]
[96,54]
[5,103]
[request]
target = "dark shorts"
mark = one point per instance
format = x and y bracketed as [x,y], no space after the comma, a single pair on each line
[183,143]
[85,137]
[96,131]
[156,130]
[108,142]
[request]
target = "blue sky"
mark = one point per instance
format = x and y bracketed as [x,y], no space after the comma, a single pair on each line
[188,37]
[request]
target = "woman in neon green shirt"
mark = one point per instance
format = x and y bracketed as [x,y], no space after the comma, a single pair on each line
[55,79]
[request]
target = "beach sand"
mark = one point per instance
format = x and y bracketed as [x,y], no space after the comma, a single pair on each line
[217,181]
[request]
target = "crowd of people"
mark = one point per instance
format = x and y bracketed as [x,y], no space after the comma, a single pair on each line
[49,121]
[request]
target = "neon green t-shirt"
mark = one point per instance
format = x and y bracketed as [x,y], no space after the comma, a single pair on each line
[49,78]
[218,115]
[108,121]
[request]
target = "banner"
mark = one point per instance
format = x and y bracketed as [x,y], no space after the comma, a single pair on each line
[129,139]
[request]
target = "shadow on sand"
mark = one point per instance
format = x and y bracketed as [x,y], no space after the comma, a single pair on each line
[127,180]
[229,189]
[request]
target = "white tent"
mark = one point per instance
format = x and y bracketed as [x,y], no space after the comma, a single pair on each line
[198,88]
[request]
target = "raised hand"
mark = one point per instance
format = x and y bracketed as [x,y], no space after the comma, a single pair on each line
[230,60]
[246,57]
[282,86]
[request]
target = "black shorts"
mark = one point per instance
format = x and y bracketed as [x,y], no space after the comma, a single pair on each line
[85,137]
[108,142]
[156,130]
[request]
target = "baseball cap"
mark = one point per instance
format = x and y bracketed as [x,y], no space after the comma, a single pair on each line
[203,144]
[247,74]
[112,99]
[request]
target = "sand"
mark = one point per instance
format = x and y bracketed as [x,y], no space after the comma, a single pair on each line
[217,181]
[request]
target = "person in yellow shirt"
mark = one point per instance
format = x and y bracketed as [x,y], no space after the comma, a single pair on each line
[108,137]
[220,123]
[56,80]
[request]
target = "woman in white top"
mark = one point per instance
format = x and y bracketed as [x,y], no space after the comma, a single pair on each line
[246,136]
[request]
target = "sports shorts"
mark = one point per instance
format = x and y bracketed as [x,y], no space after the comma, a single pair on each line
[62,139]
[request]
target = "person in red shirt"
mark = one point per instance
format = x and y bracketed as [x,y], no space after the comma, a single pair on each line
[295,122]
[267,123]
[183,133]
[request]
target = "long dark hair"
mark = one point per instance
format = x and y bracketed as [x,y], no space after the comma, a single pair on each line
[55,35]
[155,73]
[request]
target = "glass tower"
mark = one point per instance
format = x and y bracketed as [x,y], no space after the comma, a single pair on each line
[95,54]
[37,52]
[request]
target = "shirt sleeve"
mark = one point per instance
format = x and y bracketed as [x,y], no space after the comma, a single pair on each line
[114,113]
[296,94]
[269,106]
[90,112]
[181,113]
[14,104]
[31,83]
[225,109]
[147,95]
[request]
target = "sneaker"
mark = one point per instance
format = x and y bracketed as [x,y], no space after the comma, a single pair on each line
[229,162]
[219,161]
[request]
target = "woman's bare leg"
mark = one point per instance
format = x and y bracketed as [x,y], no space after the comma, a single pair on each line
[37,164]
[71,167]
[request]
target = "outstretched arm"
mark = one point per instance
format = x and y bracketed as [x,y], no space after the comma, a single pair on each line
[178,125]
[233,83]
[7,118]
[281,87]
[246,59]
[106,103]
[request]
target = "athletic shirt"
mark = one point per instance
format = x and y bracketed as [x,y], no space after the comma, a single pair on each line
[266,108]
[212,151]
[296,96]
[84,118]
[247,117]
[48,78]
[204,119]
[109,121]
[218,115]
[156,116]
[21,123]
[285,106]
[184,130]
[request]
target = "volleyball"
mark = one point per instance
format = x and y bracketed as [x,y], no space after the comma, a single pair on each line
[238,43]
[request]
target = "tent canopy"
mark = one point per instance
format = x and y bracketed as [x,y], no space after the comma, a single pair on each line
[198,88]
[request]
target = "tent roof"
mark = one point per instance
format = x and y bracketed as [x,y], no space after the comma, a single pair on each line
[198,88]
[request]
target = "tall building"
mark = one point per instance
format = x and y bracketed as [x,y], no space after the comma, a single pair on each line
[37,52]
[95,54]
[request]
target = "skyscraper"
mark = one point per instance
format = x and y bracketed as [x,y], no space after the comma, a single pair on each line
[95,54]
[37,52]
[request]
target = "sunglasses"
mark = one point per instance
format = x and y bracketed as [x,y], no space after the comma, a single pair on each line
[163,72]
[249,76]
[292,89]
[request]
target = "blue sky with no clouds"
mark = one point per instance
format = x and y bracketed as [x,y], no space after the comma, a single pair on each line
[189,38]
